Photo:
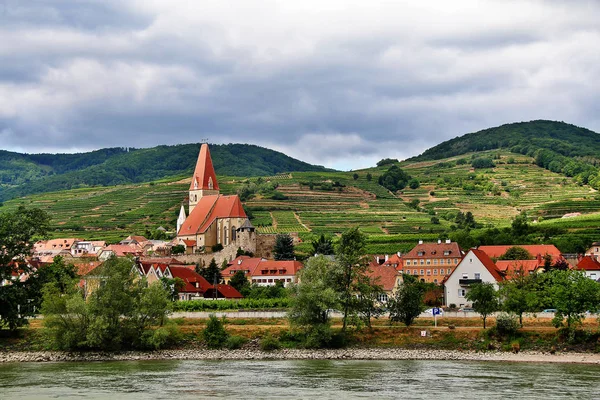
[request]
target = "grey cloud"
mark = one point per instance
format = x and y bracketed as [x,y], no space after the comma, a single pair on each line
[100,74]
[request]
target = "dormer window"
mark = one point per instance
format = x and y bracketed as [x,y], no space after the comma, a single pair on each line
[421,253]
[447,252]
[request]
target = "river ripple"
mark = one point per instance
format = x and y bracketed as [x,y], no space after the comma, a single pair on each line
[323,379]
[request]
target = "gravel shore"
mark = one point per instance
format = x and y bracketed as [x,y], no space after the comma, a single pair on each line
[293,354]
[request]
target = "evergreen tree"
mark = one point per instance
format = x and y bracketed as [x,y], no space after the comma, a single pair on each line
[323,245]
[284,247]
[212,273]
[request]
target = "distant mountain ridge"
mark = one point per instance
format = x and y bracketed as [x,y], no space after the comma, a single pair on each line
[23,174]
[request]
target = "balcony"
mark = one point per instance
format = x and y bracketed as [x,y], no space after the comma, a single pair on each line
[467,282]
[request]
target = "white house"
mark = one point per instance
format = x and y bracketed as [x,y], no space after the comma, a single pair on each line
[475,267]
[590,266]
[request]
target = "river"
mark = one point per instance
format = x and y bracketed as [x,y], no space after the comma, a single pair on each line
[322,379]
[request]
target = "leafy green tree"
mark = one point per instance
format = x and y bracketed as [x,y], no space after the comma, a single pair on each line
[573,294]
[484,298]
[215,334]
[367,299]
[173,286]
[482,162]
[323,245]
[239,281]
[386,161]
[122,312]
[520,226]
[355,176]
[351,266]
[284,247]
[516,253]
[394,179]
[518,295]
[414,183]
[407,303]
[18,231]
[178,249]
[369,177]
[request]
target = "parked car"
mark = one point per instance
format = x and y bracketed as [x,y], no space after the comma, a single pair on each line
[466,309]
[430,311]
[549,310]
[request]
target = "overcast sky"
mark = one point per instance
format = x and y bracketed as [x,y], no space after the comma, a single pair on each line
[337,83]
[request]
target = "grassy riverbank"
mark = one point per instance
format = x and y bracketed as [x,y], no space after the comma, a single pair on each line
[460,334]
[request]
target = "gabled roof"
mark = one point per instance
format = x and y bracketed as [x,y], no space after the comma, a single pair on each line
[204,171]
[227,291]
[383,275]
[487,263]
[435,250]
[190,278]
[589,264]
[255,266]
[121,250]
[208,209]
[534,249]
[396,260]
[514,267]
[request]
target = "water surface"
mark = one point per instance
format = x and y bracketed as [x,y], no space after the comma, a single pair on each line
[298,379]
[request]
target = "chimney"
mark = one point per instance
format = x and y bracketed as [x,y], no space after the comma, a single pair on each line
[377,259]
[399,254]
[439,241]
[239,262]
[447,241]
[420,242]
[386,257]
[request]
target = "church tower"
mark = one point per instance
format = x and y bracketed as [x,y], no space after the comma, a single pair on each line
[204,180]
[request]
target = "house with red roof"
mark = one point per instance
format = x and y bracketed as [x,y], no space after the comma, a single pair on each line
[263,272]
[213,218]
[590,266]
[475,267]
[387,277]
[432,262]
[537,251]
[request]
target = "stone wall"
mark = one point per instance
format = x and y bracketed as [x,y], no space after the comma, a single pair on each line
[246,240]
[266,242]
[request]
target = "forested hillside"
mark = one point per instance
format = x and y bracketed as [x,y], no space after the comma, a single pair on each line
[557,146]
[23,174]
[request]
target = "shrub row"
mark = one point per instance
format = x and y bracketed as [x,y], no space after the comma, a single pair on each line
[221,305]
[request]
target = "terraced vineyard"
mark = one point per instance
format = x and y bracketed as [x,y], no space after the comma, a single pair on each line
[331,202]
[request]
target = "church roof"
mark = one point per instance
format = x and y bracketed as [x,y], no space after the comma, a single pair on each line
[210,208]
[204,171]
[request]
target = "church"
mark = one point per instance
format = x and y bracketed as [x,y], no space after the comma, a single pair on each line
[213,218]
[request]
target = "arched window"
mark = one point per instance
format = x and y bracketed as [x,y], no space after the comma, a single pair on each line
[210,183]
[233,234]
[226,237]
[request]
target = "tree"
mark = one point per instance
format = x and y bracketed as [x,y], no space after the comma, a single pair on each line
[519,295]
[173,286]
[573,294]
[516,253]
[414,183]
[18,231]
[350,266]
[239,281]
[122,312]
[178,249]
[323,245]
[520,226]
[284,247]
[355,176]
[212,273]
[484,298]
[369,177]
[407,303]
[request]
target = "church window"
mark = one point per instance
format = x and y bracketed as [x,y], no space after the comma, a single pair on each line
[233,234]
[226,235]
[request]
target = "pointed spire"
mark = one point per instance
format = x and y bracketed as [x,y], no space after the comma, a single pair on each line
[204,177]
[181,218]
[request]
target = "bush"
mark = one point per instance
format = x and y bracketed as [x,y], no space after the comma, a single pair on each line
[507,324]
[164,336]
[217,247]
[215,334]
[269,343]
[483,163]
[318,336]
[235,342]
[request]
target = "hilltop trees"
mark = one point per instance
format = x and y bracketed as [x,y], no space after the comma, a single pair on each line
[18,230]
[394,179]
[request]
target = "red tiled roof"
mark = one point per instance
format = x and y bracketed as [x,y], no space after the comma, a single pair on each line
[435,250]
[395,260]
[383,275]
[189,243]
[513,267]
[229,292]
[589,264]
[208,209]
[535,250]
[204,171]
[121,250]
[190,278]
[488,264]
[255,266]
[85,267]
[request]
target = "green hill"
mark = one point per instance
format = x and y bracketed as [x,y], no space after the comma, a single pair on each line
[23,174]
[556,146]
[329,202]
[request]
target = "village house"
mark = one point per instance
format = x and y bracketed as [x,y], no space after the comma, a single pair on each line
[594,251]
[590,266]
[212,218]
[387,277]
[432,262]
[263,272]
[120,250]
[537,251]
[87,248]
[475,267]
